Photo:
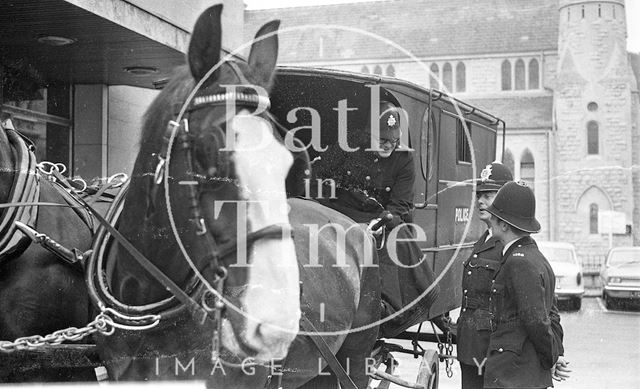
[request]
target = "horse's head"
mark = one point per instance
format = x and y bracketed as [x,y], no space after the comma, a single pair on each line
[225,180]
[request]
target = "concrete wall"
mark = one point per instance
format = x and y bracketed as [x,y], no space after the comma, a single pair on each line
[127,106]
[90,126]
[184,13]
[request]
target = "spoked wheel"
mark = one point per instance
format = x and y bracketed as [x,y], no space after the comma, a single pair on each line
[428,373]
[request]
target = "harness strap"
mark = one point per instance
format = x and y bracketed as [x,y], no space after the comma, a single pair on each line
[345,381]
[196,310]
[25,189]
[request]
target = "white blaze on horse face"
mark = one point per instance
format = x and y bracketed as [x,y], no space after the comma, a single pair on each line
[272,298]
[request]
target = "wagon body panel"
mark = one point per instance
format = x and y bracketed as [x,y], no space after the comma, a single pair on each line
[444,168]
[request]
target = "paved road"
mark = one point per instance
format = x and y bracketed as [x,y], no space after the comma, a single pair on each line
[603,347]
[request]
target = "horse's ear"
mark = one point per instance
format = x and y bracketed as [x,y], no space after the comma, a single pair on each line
[264,53]
[204,48]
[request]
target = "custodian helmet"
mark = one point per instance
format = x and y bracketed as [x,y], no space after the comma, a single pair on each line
[493,177]
[515,204]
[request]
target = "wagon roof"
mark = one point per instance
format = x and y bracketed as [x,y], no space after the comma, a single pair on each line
[326,79]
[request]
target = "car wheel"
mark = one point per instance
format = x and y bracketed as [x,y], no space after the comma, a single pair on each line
[577,303]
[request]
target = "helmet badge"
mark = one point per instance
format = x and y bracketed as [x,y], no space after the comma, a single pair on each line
[486,173]
[391,121]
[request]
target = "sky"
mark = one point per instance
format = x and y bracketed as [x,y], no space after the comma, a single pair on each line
[633,14]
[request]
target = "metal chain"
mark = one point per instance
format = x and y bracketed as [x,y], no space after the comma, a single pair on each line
[449,353]
[102,323]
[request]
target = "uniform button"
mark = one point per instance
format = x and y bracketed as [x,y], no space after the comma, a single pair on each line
[519,245]
[388,189]
[493,281]
[348,172]
[464,309]
[465,291]
[367,178]
[375,160]
[469,272]
[475,255]
[500,350]
[494,291]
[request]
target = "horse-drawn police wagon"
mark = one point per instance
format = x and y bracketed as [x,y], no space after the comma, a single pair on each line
[189,278]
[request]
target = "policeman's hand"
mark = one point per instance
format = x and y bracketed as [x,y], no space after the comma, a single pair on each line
[375,227]
[560,371]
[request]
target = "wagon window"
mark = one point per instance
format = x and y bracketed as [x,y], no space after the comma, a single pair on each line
[364,69]
[377,70]
[427,145]
[434,75]
[464,150]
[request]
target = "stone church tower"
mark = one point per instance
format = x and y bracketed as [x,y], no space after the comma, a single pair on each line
[595,102]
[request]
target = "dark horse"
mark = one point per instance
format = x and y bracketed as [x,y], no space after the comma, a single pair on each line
[39,293]
[193,206]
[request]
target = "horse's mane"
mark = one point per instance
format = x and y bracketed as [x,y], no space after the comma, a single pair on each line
[163,109]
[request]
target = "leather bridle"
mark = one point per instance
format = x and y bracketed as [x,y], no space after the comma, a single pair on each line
[204,283]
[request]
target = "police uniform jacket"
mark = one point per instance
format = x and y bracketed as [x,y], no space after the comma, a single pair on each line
[391,188]
[522,345]
[474,325]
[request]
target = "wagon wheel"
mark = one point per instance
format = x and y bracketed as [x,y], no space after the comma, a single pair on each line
[428,372]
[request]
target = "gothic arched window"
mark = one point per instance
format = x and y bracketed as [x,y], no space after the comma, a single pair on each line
[461,77]
[506,75]
[377,70]
[507,160]
[527,168]
[434,75]
[520,75]
[447,77]
[593,218]
[534,74]
[391,71]
[364,69]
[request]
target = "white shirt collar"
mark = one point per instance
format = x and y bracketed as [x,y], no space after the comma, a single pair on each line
[506,246]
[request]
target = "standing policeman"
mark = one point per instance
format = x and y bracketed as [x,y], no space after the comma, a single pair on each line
[523,346]
[474,327]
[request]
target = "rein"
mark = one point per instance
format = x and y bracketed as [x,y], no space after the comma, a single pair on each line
[205,282]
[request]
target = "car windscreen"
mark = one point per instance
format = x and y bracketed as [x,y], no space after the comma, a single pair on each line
[619,257]
[556,254]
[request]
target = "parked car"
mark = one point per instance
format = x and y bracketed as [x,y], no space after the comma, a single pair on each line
[564,262]
[621,275]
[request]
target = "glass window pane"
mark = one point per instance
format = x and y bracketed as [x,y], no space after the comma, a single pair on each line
[520,76]
[447,77]
[461,77]
[592,138]
[534,74]
[506,75]
[434,76]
